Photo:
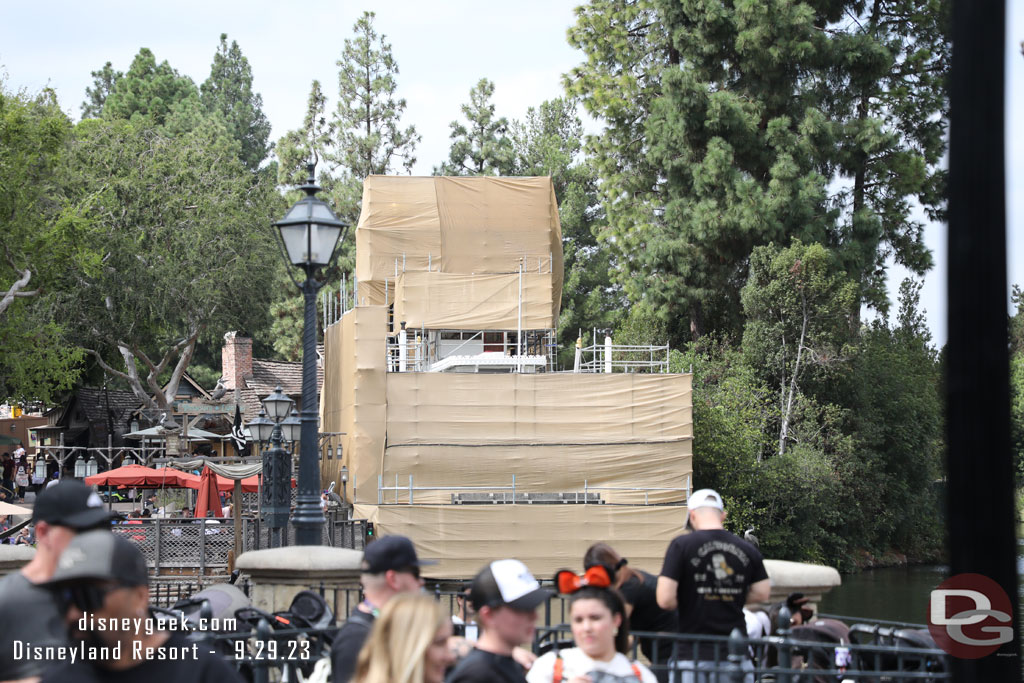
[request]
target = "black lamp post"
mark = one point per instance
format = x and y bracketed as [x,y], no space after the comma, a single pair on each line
[277,465]
[310,232]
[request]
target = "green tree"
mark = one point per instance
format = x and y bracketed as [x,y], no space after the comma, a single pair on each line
[185,239]
[481,146]
[149,90]
[368,138]
[730,125]
[312,142]
[103,82]
[796,306]
[228,91]
[1016,328]
[37,241]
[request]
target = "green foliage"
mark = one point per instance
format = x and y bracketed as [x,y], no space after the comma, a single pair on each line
[184,235]
[103,84]
[1016,328]
[481,145]
[228,91]
[796,307]
[730,125]
[149,91]
[36,241]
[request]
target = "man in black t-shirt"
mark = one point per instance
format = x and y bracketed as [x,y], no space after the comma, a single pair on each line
[505,596]
[708,576]
[103,580]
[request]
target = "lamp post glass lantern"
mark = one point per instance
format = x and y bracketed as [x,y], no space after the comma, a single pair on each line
[310,233]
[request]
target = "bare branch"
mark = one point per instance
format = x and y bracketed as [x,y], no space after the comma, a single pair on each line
[14,290]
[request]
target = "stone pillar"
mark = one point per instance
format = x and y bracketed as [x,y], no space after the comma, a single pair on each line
[14,557]
[813,580]
[278,574]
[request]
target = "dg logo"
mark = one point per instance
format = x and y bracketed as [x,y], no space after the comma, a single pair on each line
[970,616]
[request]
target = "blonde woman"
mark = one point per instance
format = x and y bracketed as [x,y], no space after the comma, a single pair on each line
[408,643]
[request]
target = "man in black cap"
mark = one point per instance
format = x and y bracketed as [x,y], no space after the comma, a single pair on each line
[390,567]
[59,513]
[505,596]
[103,581]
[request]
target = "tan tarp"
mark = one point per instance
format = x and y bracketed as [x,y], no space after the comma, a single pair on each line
[473,302]
[545,537]
[627,437]
[461,226]
[354,396]
[555,408]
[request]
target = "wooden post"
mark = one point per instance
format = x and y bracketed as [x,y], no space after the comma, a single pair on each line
[236,506]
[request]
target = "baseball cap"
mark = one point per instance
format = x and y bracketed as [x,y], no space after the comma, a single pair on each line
[101,556]
[72,504]
[391,552]
[507,583]
[705,498]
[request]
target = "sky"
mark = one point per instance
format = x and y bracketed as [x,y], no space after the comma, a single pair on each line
[442,50]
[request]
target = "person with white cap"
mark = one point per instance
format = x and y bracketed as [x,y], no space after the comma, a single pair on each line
[708,576]
[505,596]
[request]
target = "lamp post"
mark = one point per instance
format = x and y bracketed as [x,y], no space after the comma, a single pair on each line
[277,469]
[310,232]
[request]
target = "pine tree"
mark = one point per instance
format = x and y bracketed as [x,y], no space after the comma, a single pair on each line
[150,90]
[228,91]
[103,83]
[481,146]
[366,121]
[730,125]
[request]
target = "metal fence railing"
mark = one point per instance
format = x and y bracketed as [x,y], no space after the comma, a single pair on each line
[206,544]
[262,652]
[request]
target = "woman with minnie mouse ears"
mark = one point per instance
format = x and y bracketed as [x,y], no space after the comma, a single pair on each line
[600,630]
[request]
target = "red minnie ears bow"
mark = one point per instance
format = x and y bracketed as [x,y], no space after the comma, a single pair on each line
[569,582]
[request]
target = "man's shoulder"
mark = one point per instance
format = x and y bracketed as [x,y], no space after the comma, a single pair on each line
[353,631]
[480,665]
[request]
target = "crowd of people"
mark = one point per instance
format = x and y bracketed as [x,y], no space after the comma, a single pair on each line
[86,591]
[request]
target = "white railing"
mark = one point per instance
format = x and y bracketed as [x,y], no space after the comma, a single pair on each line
[409,490]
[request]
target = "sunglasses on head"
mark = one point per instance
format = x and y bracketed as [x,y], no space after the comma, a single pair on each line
[87,597]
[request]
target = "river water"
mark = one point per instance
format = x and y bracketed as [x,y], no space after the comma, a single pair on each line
[894,594]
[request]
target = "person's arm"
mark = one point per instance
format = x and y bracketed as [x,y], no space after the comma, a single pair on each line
[760,591]
[666,593]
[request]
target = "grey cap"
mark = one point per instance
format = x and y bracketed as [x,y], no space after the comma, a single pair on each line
[101,556]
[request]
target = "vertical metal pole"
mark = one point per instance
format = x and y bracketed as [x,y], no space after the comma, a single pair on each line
[410,489]
[981,510]
[308,518]
[156,552]
[519,332]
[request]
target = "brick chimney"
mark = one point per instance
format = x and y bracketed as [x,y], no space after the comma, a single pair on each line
[235,360]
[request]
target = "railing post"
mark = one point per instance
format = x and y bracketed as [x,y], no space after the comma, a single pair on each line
[202,547]
[410,489]
[156,550]
[380,489]
[785,649]
[260,665]
[737,648]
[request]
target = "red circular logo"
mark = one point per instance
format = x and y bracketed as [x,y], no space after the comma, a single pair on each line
[970,616]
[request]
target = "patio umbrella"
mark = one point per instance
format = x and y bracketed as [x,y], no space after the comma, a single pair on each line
[249,484]
[208,498]
[8,509]
[136,475]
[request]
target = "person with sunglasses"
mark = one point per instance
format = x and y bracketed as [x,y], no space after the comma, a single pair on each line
[600,631]
[59,513]
[390,567]
[103,583]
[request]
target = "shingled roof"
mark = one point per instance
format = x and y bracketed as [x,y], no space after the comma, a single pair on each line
[94,403]
[267,375]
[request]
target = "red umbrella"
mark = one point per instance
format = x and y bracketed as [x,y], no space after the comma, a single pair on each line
[208,498]
[136,475]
